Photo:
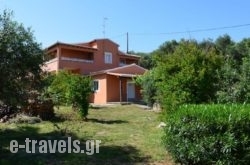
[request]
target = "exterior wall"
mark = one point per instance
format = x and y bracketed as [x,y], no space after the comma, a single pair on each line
[77,54]
[127,59]
[124,88]
[100,96]
[113,88]
[84,67]
[106,46]
[51,66]
[138,94]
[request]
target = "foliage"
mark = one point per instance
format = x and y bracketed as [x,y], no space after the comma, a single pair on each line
[209,134]
[59,86]
[71,89]
[187,75]
[21,58]
[244,79]
[233,75]
[38,106]
[205,72]
[146,61]
[228,82]
[148,85]
[80,89]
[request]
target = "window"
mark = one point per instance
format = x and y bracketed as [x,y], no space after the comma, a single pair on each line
[122,62]
[108,58]
[95,85]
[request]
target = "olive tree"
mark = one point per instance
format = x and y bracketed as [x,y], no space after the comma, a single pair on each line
[21,58]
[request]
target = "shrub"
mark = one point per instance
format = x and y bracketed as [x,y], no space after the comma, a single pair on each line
[147,83]
[38,106]
[186,76]
[67,88]
[209,134]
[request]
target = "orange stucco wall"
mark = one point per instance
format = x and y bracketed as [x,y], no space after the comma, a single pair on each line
[85,68]
[76,54]
[124,89]
[113,88]
[106,46]
[100,96]
[51,66]
[138,93]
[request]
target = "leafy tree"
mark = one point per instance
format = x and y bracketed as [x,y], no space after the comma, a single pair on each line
[243,85]
[228,77]
[187,75]
[72,89]
[21,58]
[233,75]
[146,61]
[224,44]
[165,49]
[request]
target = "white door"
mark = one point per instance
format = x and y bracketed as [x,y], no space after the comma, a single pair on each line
[130,91]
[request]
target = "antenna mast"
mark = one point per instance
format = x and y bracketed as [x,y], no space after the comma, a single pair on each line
[104,26]
[127,43]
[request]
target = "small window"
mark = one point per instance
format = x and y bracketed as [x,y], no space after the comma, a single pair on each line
[95,85]
[108,58]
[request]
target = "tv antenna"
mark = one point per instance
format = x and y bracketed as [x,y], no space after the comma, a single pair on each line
[104,26]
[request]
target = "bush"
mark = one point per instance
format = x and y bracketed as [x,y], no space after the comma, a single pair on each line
[38,106]
[147,83]
[209,134]
[67,88]
[186,76]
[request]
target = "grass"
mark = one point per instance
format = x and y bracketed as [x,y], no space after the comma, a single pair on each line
[128,134]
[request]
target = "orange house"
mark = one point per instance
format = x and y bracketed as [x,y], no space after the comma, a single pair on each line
[86,57]
[116,85]
[111,69]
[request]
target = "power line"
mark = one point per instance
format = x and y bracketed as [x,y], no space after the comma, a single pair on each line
[194,31]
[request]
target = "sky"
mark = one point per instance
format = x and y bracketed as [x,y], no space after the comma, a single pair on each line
[149,23]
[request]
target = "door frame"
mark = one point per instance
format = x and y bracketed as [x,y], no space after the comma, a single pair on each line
[133,92]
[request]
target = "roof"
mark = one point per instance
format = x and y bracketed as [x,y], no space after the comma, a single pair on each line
[71,45]
[123,71]
[122,75]
[128,55]
[103,39]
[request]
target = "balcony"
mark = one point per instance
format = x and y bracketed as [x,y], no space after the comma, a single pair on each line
[76,60]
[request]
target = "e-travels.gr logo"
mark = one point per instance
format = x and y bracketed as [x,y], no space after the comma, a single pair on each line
[53,146]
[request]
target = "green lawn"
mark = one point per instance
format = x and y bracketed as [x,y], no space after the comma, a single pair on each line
[128,134]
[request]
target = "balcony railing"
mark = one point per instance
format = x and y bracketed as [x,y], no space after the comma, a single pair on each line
[51,61]
[76,60]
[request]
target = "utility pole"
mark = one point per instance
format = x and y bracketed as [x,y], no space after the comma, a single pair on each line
[127,43]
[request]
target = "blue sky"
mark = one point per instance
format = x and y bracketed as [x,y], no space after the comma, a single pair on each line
[149,23]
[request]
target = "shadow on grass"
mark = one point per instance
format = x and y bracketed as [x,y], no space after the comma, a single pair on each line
[107,121]
[59,119]
[110,154]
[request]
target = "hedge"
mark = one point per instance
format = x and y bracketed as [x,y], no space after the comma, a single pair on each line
[209,134]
